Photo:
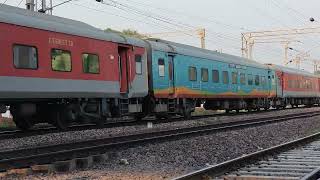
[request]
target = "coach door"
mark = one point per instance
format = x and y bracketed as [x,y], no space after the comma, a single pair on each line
[171,74]
[123,68]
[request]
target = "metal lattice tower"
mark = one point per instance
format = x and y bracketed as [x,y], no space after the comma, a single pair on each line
[44,6]
[283,36]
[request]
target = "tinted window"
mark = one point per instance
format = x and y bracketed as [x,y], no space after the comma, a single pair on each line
[61,60]
[138,64]
[242,78]
[25,57]
[291,84]
[257,80]
[161,67]
[263,81]
[192,73]
[204,75]
[90,63]
[215,76]
[234,78]
[250,79]
[170,67]
[225,76]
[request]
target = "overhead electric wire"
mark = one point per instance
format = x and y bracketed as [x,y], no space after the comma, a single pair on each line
[166,20]
[276,3]
[222,37]
[294,10]
[301,17]
[231,26]
[60,4]
[181,25]
[266,14]
[117,15]
[134,10]
[19,3]
[164,27]
[157,17]
[188,26]
[4,2]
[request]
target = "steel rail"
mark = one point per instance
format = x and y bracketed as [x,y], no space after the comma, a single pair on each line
[13,134]
[223,170]
[45,154]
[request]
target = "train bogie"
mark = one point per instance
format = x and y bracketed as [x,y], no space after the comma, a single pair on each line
[61,71]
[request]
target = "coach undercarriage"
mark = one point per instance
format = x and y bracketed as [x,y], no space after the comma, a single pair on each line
[258,103]
[58,112]
[64,112]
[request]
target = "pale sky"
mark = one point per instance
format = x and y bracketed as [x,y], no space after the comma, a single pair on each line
[224,21]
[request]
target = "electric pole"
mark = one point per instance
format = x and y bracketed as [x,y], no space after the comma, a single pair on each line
[33,6]
[30,5]
[200,32]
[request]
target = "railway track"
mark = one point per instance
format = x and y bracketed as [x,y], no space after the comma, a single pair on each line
[46,154]
[12,134]
[299,159]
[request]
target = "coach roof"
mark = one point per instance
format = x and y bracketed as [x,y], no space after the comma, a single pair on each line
[292,70]
[167,46]
[22,17]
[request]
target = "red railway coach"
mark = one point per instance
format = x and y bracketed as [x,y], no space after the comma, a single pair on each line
[55,70]
[297,87]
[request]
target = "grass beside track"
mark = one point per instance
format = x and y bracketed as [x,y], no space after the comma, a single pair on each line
[6,123]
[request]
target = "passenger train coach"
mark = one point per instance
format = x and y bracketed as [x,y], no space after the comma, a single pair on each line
[62,71]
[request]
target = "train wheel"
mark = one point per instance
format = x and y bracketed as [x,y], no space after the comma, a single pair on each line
[139,117]
[187,114]
[99,122]
[22,123]
[164,116]
[60,119]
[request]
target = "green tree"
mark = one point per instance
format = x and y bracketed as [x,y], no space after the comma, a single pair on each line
[128,32]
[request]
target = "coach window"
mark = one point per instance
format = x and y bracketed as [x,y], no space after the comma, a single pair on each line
[290,83]
[25,57]
[138,60]
[263,81]
[204,75]
[161,67]
[257,80]
[192,73]
[234,78]
[61,60]
[298,84]
[90,63]
[225,76]
[215,76]
[242,78]
[250,79]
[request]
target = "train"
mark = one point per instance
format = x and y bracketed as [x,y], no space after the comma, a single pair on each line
[61,71]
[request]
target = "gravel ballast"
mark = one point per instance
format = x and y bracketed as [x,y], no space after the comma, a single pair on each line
[170,159]
[74,136]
